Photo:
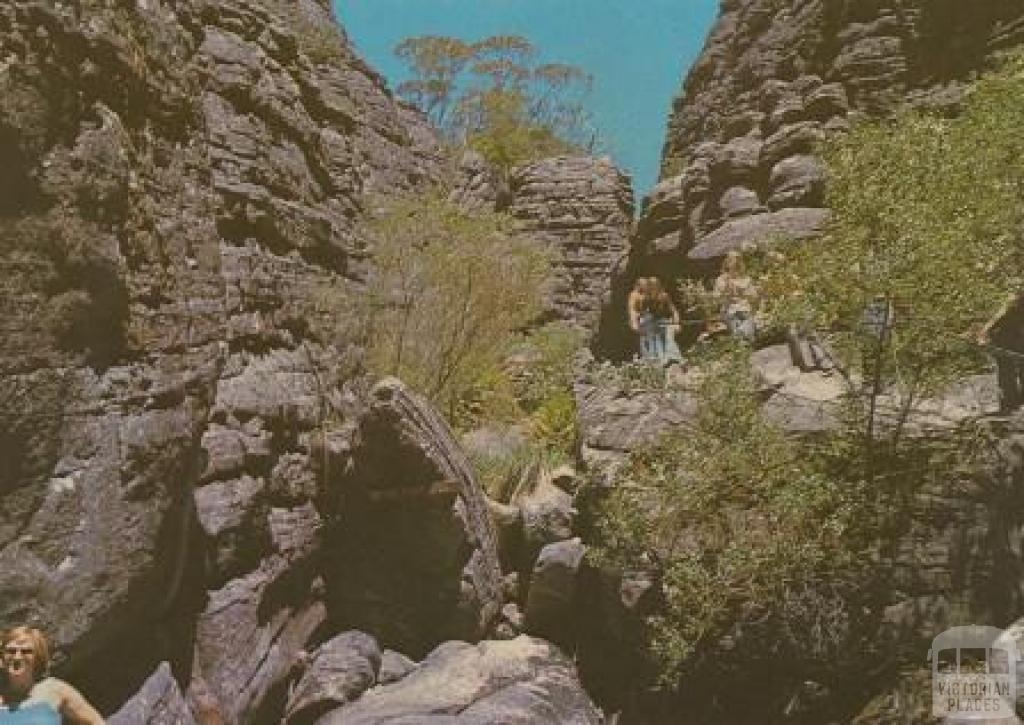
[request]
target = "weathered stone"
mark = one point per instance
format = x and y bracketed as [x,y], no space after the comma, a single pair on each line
[338,672]
[797,181]
[413,558]
[738,201]
[393,667]
[253,634]
[736,162]
[233,517]
[508,527]
[548,514]
[479,185]
[158,702]
[582,208]
[184,177]
[524,680]
[752,231]
[793,74]
[551,605]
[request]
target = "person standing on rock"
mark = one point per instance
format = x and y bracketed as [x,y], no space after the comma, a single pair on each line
[1004,336]
[28,696]
[653,316]
[736,295]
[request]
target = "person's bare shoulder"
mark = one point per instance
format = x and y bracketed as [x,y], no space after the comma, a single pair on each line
[74,708]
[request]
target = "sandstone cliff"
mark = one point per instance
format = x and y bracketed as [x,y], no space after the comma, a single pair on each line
[178,181]
[775,77]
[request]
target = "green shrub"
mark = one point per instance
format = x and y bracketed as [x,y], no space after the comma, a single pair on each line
[446,295]
[540,365]
[741,520]
[553,424]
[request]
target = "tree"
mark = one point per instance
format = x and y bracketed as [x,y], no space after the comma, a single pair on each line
[750,533]
[447,293]
[494,96]
[923,246]
[770,542]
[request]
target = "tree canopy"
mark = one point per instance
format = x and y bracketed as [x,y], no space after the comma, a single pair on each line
[925,236]
[496,96]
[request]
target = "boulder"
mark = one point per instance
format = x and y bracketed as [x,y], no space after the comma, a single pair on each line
[254,630]
[739,201]
[158,702]
[551,604]
[412,558]
[393,667]
[549,515]
[338,672]
[523,680]
[797,181]
[758,229]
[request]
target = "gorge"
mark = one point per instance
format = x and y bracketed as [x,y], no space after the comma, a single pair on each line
[219,517]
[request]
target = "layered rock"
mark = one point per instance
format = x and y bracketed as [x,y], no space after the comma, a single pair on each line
[739,164]
[180,188]
[524,680]
[413,557]
[338,672]
[582,208]
[159,701]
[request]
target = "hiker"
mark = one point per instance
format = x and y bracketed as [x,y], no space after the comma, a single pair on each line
[1004,336]
[29,696]
[736,294]
[655,318]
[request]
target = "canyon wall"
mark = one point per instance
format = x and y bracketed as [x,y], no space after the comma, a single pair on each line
[776,77]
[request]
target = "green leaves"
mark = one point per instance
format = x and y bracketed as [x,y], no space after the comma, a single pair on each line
[926,216]
[735,513]
[447,293]
[494,96]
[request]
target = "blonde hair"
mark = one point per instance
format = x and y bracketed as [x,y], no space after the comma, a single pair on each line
[733,263]
[40,645]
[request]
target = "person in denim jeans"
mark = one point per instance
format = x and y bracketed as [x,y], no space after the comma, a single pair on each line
[736,294]
[653,315]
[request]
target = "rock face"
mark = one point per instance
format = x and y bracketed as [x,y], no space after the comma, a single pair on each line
[339,671]
[551,604]
[583,209]
[159,701]
[413,558]
[524,680]
[179,184]
[774,78]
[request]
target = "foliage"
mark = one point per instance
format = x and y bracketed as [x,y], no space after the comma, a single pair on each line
[630,377]
[741,520]
[531,390]
[553,424]
[446,295]
[924,238]
[496,97]
[539,366]
[501,473]
[754,531]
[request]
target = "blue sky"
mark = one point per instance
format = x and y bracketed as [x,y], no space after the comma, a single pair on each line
[637,52]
